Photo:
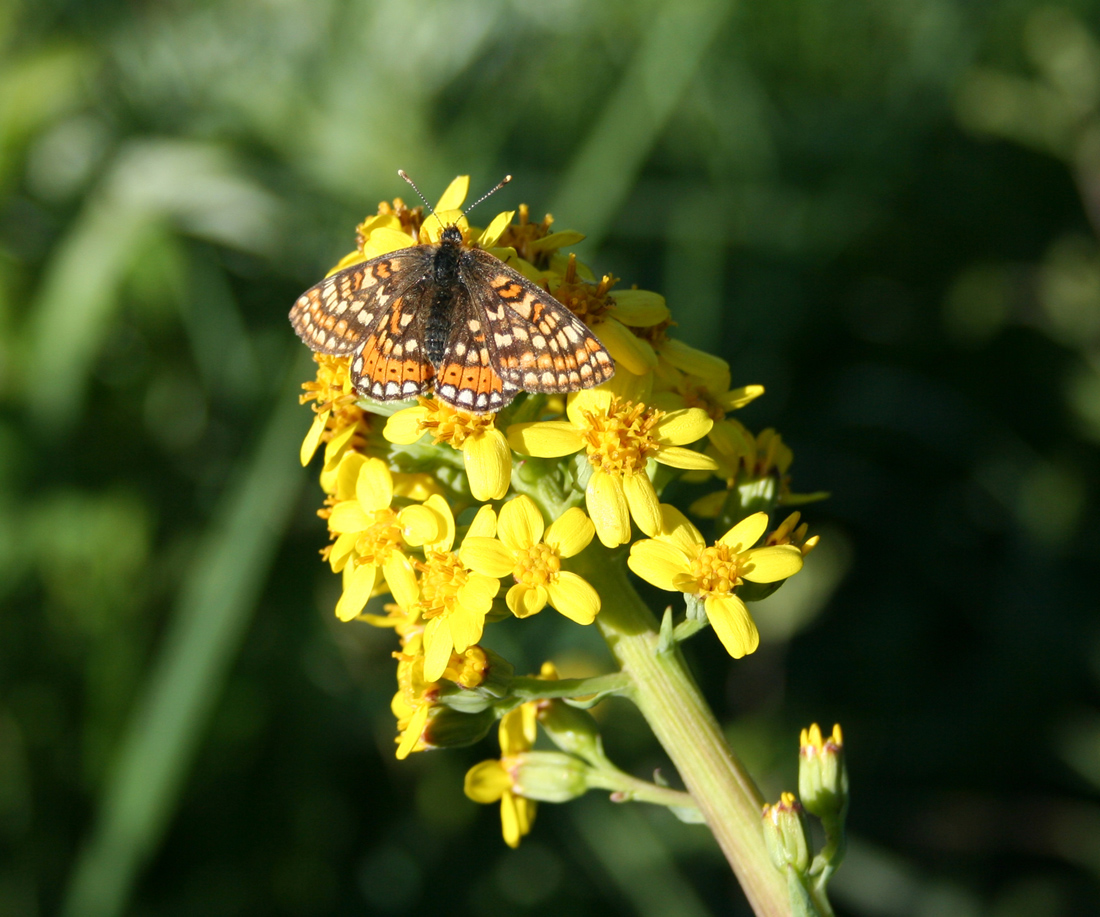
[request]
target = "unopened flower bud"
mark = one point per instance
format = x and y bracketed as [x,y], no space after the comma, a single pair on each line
[785,834]
[548,776]
[475,680]
[571,729]
[448,728]
[822,773]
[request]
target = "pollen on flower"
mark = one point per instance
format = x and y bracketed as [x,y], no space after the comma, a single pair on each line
[375,543]
[443,575]
[520,235]
[453,427]
[332,390]
[536,565]
[409,218]
[621,440]
[585,300]
[655,334]
[717,570]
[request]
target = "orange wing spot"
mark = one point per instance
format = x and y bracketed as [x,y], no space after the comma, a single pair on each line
[526,359]
[545,361]
[559,364]
[415,371]
[395,322]
[536,312]
[512,291]
[382,270]
[592,345]
[451,374]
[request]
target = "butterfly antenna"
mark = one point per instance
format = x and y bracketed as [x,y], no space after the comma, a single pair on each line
[431,209]
[500,184]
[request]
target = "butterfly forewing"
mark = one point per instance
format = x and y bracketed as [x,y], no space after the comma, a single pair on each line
[503,333]
[336,315]
[538,345]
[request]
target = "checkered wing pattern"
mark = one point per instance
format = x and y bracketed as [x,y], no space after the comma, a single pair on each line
[534,342]
[467,377]
[338,314]
[390,364]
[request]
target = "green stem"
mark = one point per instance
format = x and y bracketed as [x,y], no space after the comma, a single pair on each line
[631,789]
[679,716]
[528,689]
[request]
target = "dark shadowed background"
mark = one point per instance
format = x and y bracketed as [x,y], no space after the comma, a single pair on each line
[884,211]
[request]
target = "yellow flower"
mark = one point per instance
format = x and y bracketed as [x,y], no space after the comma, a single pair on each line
[454,599]
[790,532]
[371,536]
[485,452]
[678,560]
[534,561]
[492,780]
[337,418]
[611,315]
[416,696]
[619,439]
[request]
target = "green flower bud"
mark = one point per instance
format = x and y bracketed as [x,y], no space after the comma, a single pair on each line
[475,680]
[785,834]
[572,730]
[447,728]
[548,776]
[822,773]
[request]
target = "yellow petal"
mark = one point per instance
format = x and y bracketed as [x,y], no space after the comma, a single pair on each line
[421,525]
[524,601]
[770,565]
[313,437]
[627,386]
[710,506]
[348,516]
[456,192]
[438,647]
[631,351]
[746,533]
[401,579]
[658,562]
[466,626]
[545,439]
[679,457]
[446,538]
[405,427]
[478,592]
[357,589]
[487,556]
[733,624]
[342,549]
[347,474]
[570,533]
[607,507]
[334,448]
[521,524]
[694,361]
[639,308]
[486,782]
[682,427]
[484,524]
[518,729]
[492,233]
[413,731]
[739,397]
[555,240]
[488,463]
[590,400]
[642,500]
[385,240]
[374,486]
[574,597]
[677,529]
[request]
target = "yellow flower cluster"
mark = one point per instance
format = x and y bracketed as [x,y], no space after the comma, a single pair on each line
[466,518]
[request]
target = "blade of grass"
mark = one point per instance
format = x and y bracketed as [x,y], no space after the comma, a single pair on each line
[211,617]
[605,168]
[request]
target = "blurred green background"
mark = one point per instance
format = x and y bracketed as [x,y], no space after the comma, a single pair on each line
[885,211]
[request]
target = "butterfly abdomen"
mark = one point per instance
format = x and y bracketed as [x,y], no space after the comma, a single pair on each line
[445,280]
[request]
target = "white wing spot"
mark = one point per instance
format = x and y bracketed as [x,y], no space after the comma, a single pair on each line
[466,396]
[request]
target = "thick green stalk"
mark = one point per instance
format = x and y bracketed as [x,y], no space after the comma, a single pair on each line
[679,716]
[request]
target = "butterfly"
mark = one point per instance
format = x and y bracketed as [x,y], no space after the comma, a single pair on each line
[450,318]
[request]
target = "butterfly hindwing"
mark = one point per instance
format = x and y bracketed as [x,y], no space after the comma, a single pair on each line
[466,378]
[390,365]
[336,315]
[537,344]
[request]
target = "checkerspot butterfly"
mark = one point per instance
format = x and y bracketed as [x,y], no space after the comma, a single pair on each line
[452,318]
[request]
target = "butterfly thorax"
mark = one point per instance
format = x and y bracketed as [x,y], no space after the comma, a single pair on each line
[446,286]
